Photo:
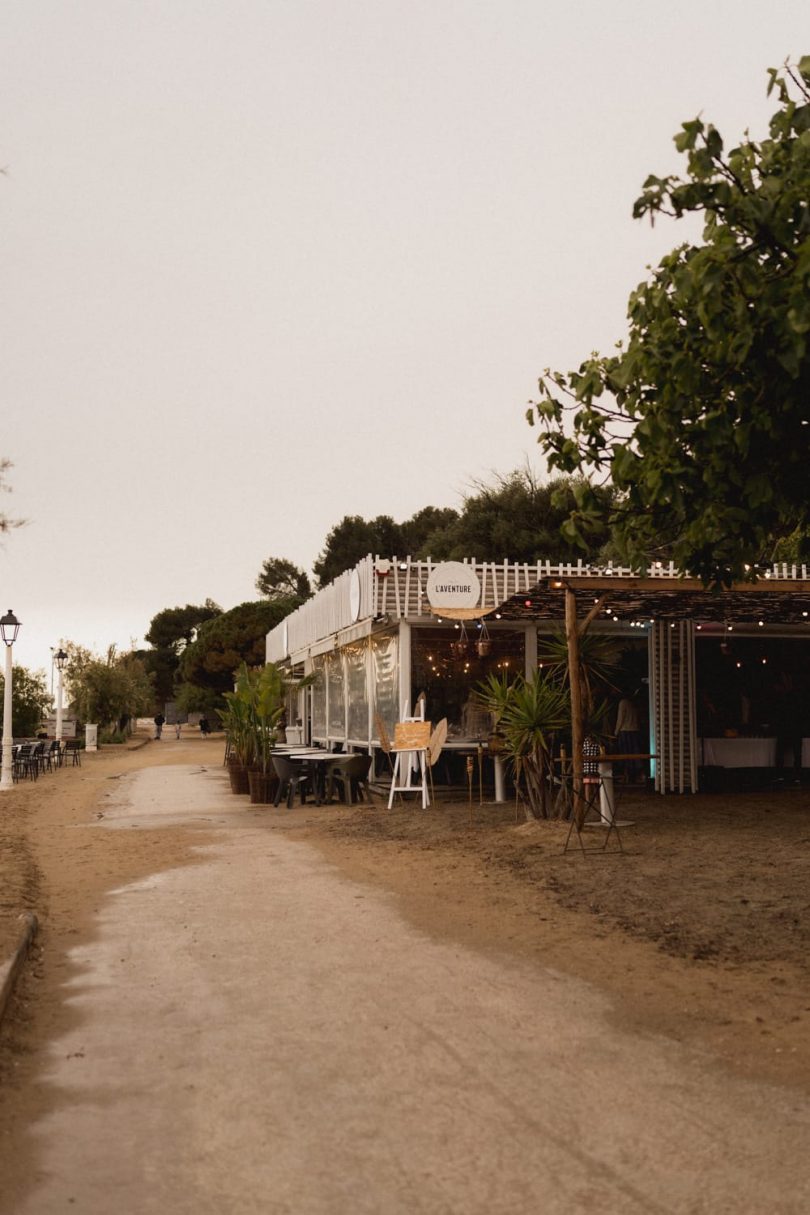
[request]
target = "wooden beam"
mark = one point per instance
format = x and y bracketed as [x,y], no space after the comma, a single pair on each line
[596,582]
[575,687]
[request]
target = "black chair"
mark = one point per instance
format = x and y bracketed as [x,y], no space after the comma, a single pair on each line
[24,765]
[292,776]
[73,749]
[352,779]
[55,754]
[44,757]
[39,757]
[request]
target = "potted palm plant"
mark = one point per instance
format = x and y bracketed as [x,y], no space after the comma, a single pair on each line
[236,721]
[267,688]
[260,695]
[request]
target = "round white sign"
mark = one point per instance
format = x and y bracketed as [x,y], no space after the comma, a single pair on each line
[453,585]
[354,595]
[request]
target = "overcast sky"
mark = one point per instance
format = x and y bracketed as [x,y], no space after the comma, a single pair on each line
[270,262]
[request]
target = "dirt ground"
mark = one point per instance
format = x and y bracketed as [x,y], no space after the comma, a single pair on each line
[698,931]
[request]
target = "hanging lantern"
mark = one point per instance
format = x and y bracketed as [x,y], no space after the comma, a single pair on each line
[460,646]
[484,643]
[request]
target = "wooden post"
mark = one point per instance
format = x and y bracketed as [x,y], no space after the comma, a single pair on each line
[572,637]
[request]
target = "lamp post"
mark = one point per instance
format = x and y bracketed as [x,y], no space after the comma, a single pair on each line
[9,628]
[60,658]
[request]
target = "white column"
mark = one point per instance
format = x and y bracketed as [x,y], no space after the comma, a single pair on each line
[500,782]
[7,775]
[59,705]
[607,803]
[405,689]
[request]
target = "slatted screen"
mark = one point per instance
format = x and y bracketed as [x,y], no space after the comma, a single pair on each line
[672,674]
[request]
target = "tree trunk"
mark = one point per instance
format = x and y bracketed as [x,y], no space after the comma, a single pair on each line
[575,685]
[534,770]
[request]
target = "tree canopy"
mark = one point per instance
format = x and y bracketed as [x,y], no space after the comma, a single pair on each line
[108,690]
[281,579]
[170,631]
[6,522]
[30,701]
[515,515]
[208,665]
[700,419]
[352,539]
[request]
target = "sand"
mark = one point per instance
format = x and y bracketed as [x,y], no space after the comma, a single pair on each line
[698,932]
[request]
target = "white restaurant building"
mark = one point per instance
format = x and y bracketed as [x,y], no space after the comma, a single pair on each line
[713,665]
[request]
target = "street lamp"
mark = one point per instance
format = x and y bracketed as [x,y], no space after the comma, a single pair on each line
[60,658]
[9,628]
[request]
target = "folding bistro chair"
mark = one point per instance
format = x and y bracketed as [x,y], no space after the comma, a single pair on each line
[385,740]
[437,740]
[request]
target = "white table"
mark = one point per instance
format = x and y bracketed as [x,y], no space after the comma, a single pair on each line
[471,746]
[739,752]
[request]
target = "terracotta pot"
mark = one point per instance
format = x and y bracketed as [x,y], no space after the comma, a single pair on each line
[262,786]
[238,776]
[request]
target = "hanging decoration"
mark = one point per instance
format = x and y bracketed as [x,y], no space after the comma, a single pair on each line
[461,644]
[484,643]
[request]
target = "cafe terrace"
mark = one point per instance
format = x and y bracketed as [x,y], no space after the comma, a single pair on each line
[709,668]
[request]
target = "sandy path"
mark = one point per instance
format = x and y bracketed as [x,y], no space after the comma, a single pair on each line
[255,1033]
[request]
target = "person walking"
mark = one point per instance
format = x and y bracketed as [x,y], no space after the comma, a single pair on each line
[205,727]
[159,720]
[177,729]
[628,738]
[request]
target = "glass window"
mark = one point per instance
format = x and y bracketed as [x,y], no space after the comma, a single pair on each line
[337,709]
[319,699]
[385,680]
[447,669]
[357,685]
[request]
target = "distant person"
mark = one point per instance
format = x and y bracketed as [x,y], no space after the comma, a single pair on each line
[205,727]
[475,720]
[178,729]
[159,720]
[789,714]
[628,737]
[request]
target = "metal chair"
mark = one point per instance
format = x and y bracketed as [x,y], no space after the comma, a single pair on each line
[40,757]
[23,764]
[73,749]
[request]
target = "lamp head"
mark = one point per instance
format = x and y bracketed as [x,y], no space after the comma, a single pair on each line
[9,627]
[60,658]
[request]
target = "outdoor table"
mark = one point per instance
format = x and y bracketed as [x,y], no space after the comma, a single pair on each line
[477,746]
[739,752]
[317,760]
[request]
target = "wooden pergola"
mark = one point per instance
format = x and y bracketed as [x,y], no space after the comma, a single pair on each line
[645,600]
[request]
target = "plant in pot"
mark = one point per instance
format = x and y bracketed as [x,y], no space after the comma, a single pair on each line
[237,723]
[263,693]
[267,696]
